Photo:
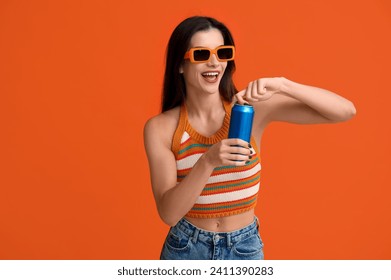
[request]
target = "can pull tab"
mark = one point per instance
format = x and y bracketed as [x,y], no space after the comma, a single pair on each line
[244,104]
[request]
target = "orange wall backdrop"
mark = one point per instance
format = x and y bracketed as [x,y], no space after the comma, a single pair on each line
[78,80]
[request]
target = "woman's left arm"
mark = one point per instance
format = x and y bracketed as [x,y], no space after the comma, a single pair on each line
[288,101]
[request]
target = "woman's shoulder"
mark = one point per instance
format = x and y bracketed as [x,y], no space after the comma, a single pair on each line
[167,118]
[163,125]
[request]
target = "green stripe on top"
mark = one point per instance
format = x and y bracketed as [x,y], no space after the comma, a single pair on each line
[233,166]
[224,206]
[193,146]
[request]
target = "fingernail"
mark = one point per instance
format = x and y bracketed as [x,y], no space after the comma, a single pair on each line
[250,157]
[251,152]
[247,162]
[249,145]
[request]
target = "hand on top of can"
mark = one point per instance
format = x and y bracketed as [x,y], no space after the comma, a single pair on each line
[260,90]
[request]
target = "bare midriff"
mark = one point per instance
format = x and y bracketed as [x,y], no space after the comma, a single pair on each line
[224,224]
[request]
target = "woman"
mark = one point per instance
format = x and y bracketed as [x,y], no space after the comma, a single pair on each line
[205,185]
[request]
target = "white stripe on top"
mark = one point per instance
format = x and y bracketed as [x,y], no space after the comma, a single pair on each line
[185,137]
[234,175]
[229,196]
[188,161]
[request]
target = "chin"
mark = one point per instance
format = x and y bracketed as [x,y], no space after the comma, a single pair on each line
[211,92]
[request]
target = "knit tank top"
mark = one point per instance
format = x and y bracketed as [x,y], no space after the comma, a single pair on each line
[230,190]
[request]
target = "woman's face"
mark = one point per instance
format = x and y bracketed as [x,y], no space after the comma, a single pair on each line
[204,78]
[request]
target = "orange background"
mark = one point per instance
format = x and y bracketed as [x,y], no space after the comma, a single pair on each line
[80,78]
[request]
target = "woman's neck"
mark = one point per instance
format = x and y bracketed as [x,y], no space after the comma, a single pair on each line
[204,107]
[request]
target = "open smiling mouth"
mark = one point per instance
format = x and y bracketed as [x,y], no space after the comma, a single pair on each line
[210,76]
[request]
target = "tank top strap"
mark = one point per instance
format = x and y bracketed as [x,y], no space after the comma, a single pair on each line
[178,134]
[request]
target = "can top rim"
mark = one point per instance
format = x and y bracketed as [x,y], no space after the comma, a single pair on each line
[244,105]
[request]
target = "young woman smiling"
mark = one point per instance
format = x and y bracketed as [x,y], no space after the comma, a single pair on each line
[205,185]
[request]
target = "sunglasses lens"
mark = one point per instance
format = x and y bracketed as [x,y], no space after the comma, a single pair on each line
[226,53]
[201,55]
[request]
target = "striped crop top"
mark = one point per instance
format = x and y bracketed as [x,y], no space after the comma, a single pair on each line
[230,190]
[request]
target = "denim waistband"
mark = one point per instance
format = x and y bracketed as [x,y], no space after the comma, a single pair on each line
[212,237]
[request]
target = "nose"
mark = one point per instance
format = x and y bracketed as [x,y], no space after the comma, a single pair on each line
[213,60]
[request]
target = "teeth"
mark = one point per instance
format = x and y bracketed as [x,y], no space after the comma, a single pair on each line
[210,74]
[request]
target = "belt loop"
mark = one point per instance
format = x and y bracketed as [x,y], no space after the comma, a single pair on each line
[195,235]
[257,221]
[229,244]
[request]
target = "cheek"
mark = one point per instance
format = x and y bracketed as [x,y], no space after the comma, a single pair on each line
[191,73]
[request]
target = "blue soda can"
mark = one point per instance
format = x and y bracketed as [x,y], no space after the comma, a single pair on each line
[241,122]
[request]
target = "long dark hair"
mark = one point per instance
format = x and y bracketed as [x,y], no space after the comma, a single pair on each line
[174,89]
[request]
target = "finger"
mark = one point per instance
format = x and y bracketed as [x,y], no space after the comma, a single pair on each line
[239,157]
[239,150]
[254,90]
[237,160]
[249,90]
[237,142]
[249,94]
[239,97]
[261,86]
[244,95]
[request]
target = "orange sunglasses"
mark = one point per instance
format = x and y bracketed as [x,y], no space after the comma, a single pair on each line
[200,55]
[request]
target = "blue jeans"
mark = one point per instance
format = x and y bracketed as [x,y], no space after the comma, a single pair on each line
[187,242]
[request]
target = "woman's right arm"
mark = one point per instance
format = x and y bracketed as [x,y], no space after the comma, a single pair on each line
[175,200]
